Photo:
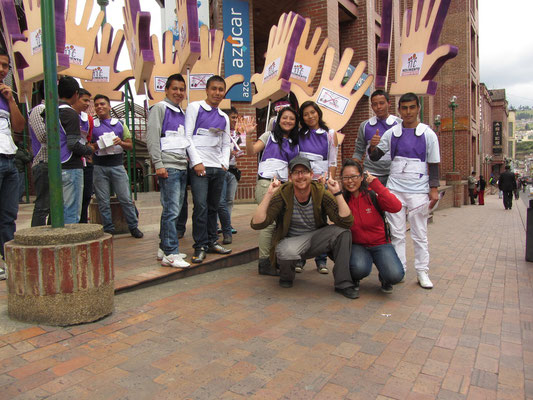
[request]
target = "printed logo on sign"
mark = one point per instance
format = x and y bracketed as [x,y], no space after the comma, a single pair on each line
[198,81]
[75,53]
[412,63]
[272,70]
[100,74]
[159,83]
[333,101]
[300,72]
[36,41]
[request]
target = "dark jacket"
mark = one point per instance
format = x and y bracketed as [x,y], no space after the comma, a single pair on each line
[507,182]
[281,207]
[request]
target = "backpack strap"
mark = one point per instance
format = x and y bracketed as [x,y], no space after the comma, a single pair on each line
[374,199]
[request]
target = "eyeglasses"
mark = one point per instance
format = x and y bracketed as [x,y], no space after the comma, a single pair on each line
[351,178]
[300,172]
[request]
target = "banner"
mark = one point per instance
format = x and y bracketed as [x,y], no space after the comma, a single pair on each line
[236,23]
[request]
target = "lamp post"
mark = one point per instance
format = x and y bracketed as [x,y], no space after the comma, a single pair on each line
[103,4]
[437,123]
[453,105]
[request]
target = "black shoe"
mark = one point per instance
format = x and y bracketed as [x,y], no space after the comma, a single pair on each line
[265,268]
[219,230]
[180,235]
[110,231]
[136,233]
[227,239]
[218,249]
[199,256]
[386,287]
[349,292]
[285,284]
[233,230]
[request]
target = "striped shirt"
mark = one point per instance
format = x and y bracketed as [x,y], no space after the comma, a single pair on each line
[303,219]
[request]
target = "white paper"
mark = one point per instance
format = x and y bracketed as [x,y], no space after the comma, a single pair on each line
[159,83]
[272,70]
[333,101]
[412,63]
[100,73]
[198,81]
[300,71]
[36,41]
[75,53]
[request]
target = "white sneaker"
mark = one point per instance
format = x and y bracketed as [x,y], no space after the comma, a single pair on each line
[3,275]
[174,260]
[423,280]
[161,254]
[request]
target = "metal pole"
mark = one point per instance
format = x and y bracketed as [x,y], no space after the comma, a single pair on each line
[52,113]
[127,120]
[133,139]
[103,4]
[25,144]
[453,136]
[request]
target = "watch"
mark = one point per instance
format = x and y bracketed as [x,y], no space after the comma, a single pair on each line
[338,193]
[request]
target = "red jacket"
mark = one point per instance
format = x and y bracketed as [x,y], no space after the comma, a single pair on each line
[368,229]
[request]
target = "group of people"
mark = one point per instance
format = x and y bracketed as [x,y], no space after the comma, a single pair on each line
[393,177]
[369,219]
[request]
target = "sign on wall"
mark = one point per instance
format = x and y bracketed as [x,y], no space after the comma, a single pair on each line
[497,133]
[236,24]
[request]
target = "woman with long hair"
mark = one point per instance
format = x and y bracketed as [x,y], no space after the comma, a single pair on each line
[277,148]
[317,143]
[368,199]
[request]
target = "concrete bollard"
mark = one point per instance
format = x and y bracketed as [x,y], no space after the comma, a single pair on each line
[60,276]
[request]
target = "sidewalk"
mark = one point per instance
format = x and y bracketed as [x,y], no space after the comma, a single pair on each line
[232,334]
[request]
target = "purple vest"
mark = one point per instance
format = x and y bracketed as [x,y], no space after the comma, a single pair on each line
[409,145]
[209,119]
[370,130]
[314,143]
[35,144]
[105,126]
[286,153]
[84,127]
[172,121]
[64,152]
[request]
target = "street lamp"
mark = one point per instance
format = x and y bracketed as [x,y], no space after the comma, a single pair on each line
[453,105]
[437,122]
[103,4]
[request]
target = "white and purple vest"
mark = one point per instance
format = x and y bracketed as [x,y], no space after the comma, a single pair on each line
[314,146]
[64,152]
[174,122]
[7,146]
[275,159]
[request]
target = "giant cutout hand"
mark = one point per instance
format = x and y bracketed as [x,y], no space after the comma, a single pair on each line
[306,60]
[420,59]
[210,63]
[383,51]
[81,39]
[188,46]
[137,32]
[105,76]
[166,64]
[336,100]
[26,47]
[273,83]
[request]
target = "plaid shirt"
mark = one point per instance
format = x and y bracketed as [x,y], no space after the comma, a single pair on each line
[38,125]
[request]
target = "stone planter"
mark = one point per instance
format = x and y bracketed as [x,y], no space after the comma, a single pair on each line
[60,276]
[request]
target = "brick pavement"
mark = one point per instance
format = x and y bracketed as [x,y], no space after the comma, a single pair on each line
[231,334]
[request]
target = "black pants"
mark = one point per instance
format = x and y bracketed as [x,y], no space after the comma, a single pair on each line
[508,199]
[87,192]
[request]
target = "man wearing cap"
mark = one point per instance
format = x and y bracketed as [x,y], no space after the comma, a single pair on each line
[301,207]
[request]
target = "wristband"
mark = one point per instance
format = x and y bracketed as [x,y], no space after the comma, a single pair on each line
[338,193]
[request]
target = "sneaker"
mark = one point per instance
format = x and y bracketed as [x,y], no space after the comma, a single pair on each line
[423,280]
[233,231]
[161,254]
[174,260]
[136,233]
[386,287]
[3,274]
[300,264]
[349,292]
[227,239]
[110,231]
[322,269]
[218,249]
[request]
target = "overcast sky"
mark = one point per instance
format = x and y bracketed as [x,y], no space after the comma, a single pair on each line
[505,41]
[506,48]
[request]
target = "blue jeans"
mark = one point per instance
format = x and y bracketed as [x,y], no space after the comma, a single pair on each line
[384,256]
[206,192]
[117,177]
[9,202]
[22,184]
[172,190]
[72,194]
[41,210]
[226,202]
